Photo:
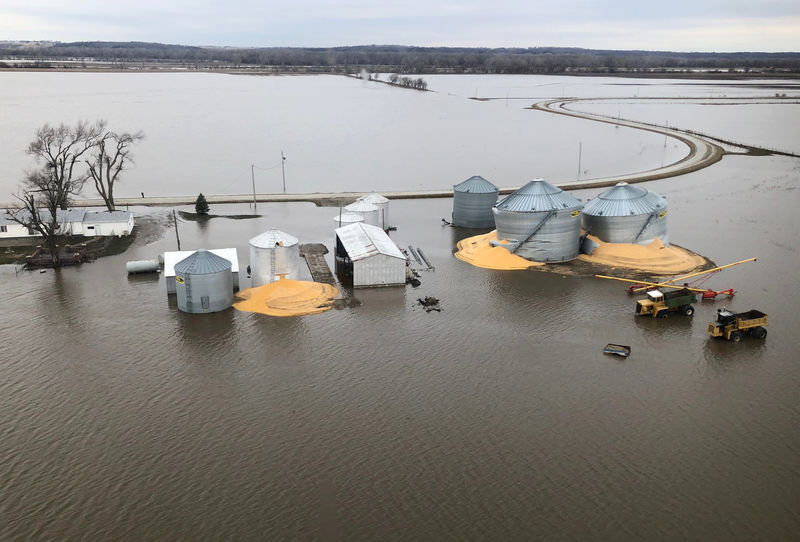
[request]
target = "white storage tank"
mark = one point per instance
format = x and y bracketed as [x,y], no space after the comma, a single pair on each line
[382,204]
[204,283]
[627,214]
[345,218]
[472,203]
[273,254]
[365,209]
[542,222]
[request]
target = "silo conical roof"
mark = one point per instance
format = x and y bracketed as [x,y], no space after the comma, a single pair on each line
[348,218]
[202,262]
[475,185]
[361,206]
[373,198]
[625,200]
[272,238]
[538,195]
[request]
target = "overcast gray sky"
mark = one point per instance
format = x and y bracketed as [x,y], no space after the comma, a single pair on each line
[677,25]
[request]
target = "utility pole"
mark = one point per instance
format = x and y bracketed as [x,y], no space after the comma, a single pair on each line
[580,148]
[283,171]
[175,218]
[253,177]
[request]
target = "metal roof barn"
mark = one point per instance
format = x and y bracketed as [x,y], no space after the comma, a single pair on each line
[344,218]
[172,258]
[472,203]
[273,254]
[367,255]
[382,204]
[542,222]
[203,283]
[627,214]
[365,209]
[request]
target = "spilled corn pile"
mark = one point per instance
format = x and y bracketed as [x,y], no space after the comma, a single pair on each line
[478,252]
[652,258]
[287,297]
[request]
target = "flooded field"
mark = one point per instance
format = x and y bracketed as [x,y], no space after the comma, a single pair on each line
[498,418]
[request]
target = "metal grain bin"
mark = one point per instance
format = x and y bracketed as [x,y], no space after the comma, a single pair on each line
[542,222]
[272,254]
[472,203]
[204,283]
[345,218]
[365,209]
[626,214]
[382,204]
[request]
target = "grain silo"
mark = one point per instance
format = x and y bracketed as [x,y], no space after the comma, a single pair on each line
[541,222]
[203,283]
[626,214]
[368,210]
[272,254]
[344,218]
[382,204]
[472,203]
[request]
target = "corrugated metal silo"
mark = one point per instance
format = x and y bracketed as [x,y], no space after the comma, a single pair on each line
[472,203]
[365,209]
[382,204]
[344,218]
[542,222]
[272,254]
[204,283]
[627,214]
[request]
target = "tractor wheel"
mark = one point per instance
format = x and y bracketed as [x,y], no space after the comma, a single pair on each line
[688,310]
[663,314]
[758,332]
[736,336]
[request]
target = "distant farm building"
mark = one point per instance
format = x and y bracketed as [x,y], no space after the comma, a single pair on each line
[72,222]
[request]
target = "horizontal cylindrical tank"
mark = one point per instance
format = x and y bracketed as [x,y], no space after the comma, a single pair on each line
[204,283]
[367,210]
[542,222]
[142,266]
[472,203]
[344,218]
[382,204]
[626,214]
[273,254]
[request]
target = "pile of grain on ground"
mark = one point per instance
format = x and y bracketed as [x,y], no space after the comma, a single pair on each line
[652,258]
[478,252]
[287,297]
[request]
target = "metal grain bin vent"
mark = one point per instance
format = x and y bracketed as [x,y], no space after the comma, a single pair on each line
[472,203]
[272,254]
[542,222]
[204,283]
[627,214]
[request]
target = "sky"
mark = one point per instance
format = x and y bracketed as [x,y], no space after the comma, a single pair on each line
[678,25]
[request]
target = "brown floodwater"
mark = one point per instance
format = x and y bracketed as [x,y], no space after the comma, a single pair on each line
[496,419]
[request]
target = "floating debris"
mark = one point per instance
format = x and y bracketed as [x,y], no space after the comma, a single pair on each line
[429,304]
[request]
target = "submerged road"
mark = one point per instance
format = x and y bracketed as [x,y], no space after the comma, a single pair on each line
[702,153]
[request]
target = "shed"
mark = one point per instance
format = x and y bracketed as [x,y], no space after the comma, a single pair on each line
[367,255]
[171,258]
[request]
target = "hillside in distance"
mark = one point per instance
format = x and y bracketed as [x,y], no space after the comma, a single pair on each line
[391,58]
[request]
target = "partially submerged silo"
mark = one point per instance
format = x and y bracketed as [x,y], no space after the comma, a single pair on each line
[472,203]
[203,283]
[541,222]
[382,204]
[368,210]
[273,254]
[344,218]
[626,214]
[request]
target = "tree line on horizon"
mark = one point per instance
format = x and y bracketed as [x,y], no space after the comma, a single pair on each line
[402,59]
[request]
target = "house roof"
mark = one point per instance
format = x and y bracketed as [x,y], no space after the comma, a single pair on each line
[363,240]
[107,216]
[74,215]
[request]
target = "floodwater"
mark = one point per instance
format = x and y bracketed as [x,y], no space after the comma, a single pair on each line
[498,418]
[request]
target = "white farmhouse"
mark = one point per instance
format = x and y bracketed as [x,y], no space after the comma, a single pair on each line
[74,222]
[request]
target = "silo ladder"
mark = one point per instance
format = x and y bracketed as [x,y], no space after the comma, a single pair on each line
[533,232]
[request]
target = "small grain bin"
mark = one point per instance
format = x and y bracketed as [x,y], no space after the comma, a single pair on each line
[472,203]
[542,222]
[203,283]
[365,209]
[169,259]
[344,218]
[626,214]
[272,254]
[382,204]
[368,256]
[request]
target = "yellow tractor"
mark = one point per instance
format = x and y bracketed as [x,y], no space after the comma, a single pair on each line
[734,326]
[660,304]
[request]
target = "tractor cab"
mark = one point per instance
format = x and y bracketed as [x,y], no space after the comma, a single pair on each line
[655,296]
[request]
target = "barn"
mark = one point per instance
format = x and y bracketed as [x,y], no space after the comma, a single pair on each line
[367,255]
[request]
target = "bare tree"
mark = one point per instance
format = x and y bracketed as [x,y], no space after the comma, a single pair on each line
[58,149]
[111,152]
[38,209]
